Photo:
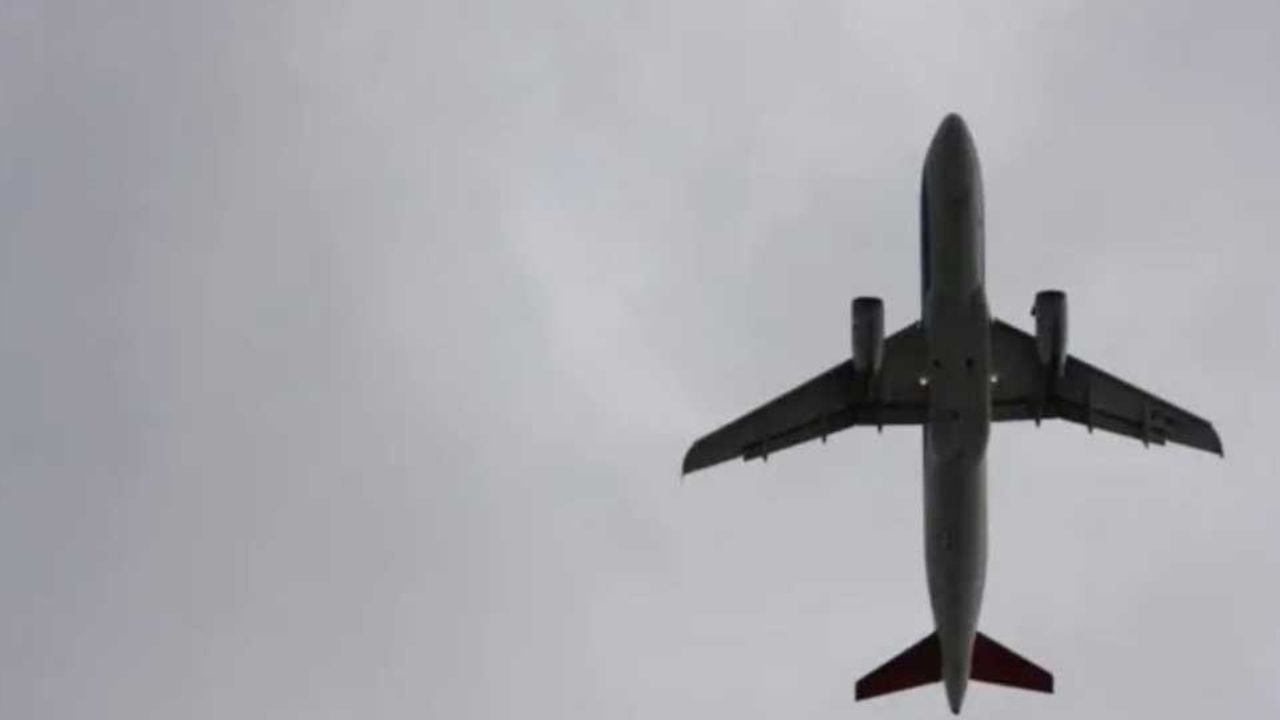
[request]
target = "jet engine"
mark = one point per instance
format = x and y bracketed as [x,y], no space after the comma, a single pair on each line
[1050,312]
[868,335]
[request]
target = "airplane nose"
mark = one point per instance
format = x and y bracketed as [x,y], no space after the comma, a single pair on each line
[952,136]
[951,163]
[952,123]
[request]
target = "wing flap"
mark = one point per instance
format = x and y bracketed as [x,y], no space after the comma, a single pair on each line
[833,401]
[810,410]
[1088,396]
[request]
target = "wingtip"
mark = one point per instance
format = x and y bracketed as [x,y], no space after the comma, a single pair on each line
[1217,442]
[691,462]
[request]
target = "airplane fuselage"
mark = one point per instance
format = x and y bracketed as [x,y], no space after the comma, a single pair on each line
[957,326]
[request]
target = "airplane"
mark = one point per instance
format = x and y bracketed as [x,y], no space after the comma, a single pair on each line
[954,372]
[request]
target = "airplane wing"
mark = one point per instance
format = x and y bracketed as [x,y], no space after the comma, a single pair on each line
[1085,395]
[837,399]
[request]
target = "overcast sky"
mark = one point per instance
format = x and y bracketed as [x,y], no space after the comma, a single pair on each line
[348,353]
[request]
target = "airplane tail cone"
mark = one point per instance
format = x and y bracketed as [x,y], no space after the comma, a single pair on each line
[955,693]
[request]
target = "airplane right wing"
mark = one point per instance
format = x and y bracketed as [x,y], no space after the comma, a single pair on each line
[837,399]
[1086,395]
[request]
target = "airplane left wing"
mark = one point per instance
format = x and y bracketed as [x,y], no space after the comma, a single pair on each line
[1085,395]
[837,399]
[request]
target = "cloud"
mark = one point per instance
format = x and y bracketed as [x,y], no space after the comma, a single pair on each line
[350,353]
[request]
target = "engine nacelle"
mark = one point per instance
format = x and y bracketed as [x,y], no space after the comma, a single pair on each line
[1050,312]
[868,336]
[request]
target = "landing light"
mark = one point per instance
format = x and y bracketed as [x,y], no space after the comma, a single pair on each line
[994,378]
[924,380]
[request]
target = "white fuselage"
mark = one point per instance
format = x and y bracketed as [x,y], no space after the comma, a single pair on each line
[957,325]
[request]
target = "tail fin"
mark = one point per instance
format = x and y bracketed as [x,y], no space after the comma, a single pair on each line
[919,664]
[995,663]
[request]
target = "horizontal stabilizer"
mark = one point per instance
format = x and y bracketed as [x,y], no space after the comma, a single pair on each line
[918,665]
[995,663]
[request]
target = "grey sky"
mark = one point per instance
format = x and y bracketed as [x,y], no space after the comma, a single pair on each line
[349,352]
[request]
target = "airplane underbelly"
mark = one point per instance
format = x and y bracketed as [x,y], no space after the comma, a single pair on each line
[955,460]
[959,422]
[956,538]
